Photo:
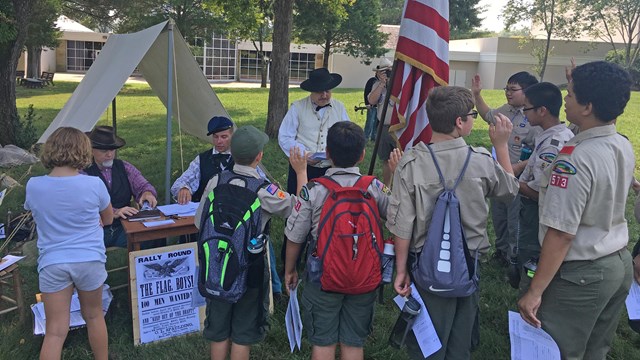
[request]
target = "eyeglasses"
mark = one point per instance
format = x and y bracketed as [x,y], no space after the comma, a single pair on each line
[473,114]
[530,108]
[511,90]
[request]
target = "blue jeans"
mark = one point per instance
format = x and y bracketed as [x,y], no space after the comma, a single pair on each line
[371,125]
[275,279]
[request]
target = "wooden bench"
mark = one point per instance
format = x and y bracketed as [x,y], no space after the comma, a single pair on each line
[47,78]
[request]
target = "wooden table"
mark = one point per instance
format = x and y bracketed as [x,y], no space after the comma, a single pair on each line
[11,277]
[137,233]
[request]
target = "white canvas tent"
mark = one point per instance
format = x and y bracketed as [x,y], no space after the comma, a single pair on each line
[154,51]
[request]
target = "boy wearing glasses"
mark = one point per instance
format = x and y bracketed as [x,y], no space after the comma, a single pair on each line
[542,105]
[505,215]
[415,192]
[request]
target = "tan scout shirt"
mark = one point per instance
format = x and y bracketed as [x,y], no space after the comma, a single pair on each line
[306,214]
[547,145]
[523,132]
[417,187]
[585,192]
[273,201]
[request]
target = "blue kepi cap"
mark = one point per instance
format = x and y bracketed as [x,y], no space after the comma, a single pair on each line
[217,124]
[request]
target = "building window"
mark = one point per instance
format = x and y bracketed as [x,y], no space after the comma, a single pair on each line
[82,54]
[216,57]
[300,65]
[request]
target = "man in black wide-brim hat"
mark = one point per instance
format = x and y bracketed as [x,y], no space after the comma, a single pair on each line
[306,125]
[123,180]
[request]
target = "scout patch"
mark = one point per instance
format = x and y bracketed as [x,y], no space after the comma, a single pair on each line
[272,189]
[567,150]
[547,157]
[384,188]
[304,193]
[281,194]
[298,205]
[564,167]
[559,181]
[555,142]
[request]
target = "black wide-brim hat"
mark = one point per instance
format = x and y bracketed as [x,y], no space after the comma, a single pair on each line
[321,80]
[103,138]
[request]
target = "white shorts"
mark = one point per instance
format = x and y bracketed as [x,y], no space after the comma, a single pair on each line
[86,276]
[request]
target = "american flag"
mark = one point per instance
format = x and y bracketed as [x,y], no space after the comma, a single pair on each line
[422,57]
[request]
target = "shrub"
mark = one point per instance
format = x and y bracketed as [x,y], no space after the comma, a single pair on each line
[25,130]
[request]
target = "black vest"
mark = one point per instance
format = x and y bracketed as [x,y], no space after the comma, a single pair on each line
[120,191]
[210,166]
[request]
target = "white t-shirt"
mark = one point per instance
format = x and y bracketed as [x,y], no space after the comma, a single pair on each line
[67,215]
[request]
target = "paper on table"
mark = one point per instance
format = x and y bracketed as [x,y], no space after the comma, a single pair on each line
[293,321]
[633,301]
[157,223]
[188,209]
[530,343]
[423,327]
[75,319]
[9,260]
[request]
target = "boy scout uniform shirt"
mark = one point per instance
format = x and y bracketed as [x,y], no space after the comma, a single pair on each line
[417,187]
[522,133]
[547,145]
[273,201]
[585,191]
[306,212]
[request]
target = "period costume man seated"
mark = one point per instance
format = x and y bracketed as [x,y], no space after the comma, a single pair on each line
[123,180]
[191,184]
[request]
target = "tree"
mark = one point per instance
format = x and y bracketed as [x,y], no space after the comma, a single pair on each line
[463,18]
[391,12]
[279,90]
[552,15]
[249,20]
[614,21]
[41,33]
[14,23]
[345,26]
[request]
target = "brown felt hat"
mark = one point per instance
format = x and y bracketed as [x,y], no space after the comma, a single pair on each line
[103,138]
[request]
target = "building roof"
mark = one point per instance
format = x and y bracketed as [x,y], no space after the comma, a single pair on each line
[393,31]
[65,24]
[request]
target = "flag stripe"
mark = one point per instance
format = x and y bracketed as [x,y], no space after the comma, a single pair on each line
[418,12]
[440,6]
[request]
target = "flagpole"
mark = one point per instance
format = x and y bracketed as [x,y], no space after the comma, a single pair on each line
[383,116]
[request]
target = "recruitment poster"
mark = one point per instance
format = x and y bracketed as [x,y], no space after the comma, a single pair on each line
[162,284]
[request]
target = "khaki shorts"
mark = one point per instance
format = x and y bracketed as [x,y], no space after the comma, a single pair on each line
[86,276]
[330,318]
[387,144]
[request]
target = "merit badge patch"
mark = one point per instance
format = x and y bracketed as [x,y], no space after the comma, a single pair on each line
[547,157]
[564,167]
[281,194]
[567,150]
[558,181]
[298,205]
[384,188]
[272,189]
[304,193]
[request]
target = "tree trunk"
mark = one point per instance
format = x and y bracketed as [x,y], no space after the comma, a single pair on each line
[327,52]
[279,89]
[9,55]
[33,62]
[264,69]
[543,66]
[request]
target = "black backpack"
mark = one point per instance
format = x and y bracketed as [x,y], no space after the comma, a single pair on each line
[231,217]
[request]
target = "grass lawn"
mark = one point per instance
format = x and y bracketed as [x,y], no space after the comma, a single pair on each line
[142,124]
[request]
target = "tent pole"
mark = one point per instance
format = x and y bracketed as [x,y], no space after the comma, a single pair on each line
[113,116]
[167,175]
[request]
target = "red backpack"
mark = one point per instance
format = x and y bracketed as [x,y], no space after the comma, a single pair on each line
[349,245]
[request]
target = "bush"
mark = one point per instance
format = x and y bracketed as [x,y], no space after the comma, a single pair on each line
[25,130]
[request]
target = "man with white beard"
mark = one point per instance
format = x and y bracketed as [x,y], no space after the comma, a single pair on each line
[122,179]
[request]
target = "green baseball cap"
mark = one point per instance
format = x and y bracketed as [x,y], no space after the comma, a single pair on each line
[247,142]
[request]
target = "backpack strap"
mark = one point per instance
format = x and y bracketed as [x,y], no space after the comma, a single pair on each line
[327,182]
[464,168]
[364,182]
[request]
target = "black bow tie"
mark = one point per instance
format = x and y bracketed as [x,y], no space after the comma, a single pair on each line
[323,106]
[221,156]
